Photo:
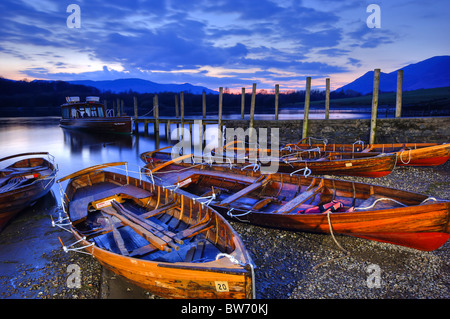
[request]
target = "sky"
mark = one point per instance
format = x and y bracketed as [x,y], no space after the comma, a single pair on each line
[218,43]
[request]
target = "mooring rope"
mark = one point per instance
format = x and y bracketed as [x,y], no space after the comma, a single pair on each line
[347,253]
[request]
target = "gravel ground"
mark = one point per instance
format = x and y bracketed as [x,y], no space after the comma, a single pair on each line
[289,265]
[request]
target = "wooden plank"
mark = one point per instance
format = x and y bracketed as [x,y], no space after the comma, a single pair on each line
[199,251]
[244,191]
[195,230]
[159,210]
[190,254]
[156,229]
[143,250]
[149,236]
[118,239]
[286,208]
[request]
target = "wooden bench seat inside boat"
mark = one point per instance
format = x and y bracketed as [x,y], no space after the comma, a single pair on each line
[79,207]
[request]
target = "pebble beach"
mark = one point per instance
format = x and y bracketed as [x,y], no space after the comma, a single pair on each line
[289,265]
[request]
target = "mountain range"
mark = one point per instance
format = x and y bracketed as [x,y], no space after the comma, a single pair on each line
[142,86]
[430,73]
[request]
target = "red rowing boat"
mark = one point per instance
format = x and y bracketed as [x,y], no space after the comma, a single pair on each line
[408,154]
[23,183]
[310,204]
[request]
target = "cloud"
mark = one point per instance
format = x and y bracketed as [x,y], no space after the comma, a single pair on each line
[365,37]
[201,41]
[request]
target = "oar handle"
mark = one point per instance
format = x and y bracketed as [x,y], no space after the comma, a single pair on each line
[90,169]
[23,154]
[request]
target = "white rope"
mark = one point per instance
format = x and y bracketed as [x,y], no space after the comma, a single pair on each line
[209,199]
[78,249]
[306,172]
[60,223]
[409,157]
[238,215]
[347,253]
[147,112]
[255,167]
[332,234]
[378,200]
[316,149]
[359,142]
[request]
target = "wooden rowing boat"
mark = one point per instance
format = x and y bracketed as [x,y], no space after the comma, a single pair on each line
[408,154]
[23,183]
[165,242]
[314,162]
[311,204]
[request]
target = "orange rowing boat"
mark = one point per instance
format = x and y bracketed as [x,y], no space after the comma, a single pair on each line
[163,241]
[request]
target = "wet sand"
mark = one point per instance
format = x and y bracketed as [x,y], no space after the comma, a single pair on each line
[290,265]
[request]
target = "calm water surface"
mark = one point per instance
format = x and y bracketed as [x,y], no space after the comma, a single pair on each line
[73,150]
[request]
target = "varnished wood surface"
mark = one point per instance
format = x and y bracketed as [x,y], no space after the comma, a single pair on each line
[419,221]
[317,162]
[191,223]
[410,154]
[23,183]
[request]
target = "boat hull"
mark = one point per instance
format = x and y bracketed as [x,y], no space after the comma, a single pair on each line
[362,165]
[408,154]
[167,279]
[296,203]
[374,167]
[427,156]
[14,201]
[120,125]
[177,281]
[423,228]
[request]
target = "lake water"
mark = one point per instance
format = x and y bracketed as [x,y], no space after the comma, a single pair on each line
[72,150]
[29,236]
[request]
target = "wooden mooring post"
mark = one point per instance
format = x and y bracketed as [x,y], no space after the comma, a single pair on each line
[219,128]
[136,127]
[252,112]
[156,114]
[398,101]
[204,104]
[373,120]
[306,108]
[327,99]
[135,107]
[277,95]
[182,110]
[243,103]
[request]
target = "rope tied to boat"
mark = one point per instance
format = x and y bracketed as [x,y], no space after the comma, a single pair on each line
[255,166]
[347,253]
[306,172]
[409,157]
[209,199]
[66,249]
[379,200]
[300,151]
[358,142]
[238,215]
[61,222]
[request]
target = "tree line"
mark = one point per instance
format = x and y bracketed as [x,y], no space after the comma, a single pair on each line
[44,98]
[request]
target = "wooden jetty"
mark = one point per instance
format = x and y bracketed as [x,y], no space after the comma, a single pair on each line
[179,119]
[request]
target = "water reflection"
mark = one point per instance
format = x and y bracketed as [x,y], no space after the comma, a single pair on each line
[73,150]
